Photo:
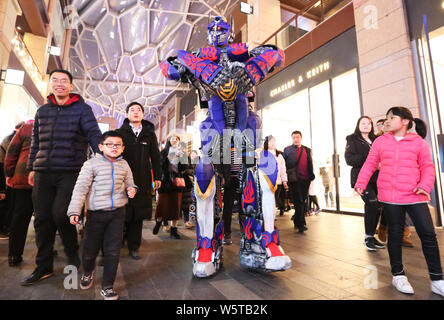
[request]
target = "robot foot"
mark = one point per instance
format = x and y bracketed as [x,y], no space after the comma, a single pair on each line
[277,260]
[203,269]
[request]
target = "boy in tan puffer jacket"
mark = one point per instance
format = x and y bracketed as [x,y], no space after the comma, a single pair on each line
[109,182]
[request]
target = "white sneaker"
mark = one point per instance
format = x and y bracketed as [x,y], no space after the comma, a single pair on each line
[402,284]
[438,287]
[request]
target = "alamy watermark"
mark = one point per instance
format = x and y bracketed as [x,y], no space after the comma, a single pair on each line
[371,280]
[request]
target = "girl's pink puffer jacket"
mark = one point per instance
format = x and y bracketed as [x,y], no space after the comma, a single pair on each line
[405,165]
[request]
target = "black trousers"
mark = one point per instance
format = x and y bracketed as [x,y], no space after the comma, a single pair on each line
[299,196]
[103,229]
[420,215]
[371,208]
[22,210]
[51,196]
[229,196]
[134,224]
[279,197]
[6,207]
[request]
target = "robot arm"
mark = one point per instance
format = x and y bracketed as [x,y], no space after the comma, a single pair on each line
[263,60]
[173,69]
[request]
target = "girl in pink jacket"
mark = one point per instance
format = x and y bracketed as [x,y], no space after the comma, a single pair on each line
[406,178]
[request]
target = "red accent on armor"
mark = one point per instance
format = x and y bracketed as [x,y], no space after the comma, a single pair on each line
[209,53]
[247,229]
[265,238]
[249,192]
[254,73]
[262,65]
[271,57]
[190,60]
[220,198]
[211,68]
[164,67]
[274,249]
[205,255]
[238,48]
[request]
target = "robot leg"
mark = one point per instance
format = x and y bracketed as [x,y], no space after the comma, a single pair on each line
[207,255]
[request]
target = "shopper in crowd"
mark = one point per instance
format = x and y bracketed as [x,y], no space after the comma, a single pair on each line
[299,163]
[356,152]
[62,130]
[17,179]
[270,145]
[379,127]
[188,174]
[406,178]
[326,173]
[142,154]
[109,182]
[170,192]
[6,193]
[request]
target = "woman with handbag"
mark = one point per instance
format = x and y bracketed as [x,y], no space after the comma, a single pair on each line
[170,193]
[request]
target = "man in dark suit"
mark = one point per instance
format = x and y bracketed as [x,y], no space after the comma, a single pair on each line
[299,163]
[142,154]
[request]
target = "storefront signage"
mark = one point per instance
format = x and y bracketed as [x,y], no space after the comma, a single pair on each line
[301,78]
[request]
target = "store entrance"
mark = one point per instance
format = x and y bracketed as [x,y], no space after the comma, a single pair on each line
[430,48]
[325,114]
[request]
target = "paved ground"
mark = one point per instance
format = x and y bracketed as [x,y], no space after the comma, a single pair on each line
[329,262]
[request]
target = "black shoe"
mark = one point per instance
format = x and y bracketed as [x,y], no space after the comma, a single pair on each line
[157,227]
[36,276]
[227,240]
[74,260]
[109,294]
[173,233]
[305,228]
[281,212]
[301,231]
[378,244]
[86,280]
[14,261]
[134,254]
[370,244]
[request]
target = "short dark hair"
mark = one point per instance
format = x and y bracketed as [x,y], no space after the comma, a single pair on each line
[62,71]
[380,120]
[111,133]
[132,104]
[296,132]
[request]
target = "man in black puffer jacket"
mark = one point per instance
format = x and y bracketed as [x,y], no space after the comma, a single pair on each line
[142,154]
[62,130]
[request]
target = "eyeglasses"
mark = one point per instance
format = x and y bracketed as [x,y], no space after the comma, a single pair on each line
[61,81]
[112,145]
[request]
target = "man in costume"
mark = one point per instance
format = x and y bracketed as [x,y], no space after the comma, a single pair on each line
[224,73]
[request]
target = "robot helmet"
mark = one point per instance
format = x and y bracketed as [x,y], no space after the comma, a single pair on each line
[220,32]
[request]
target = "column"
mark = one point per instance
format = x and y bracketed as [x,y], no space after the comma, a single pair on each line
[385,57]
[265,20]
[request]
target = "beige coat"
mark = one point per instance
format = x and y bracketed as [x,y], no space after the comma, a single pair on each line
[102,185]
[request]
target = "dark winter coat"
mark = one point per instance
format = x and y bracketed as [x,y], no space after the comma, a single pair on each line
[17,157]
[142,154]
[356,152]
[289,155]
[188,174]
[61,135]
[167,174]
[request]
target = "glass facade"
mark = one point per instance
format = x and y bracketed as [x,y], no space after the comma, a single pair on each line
[323,113]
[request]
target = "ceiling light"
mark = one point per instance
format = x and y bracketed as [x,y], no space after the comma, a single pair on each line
[317,4]
[55,51]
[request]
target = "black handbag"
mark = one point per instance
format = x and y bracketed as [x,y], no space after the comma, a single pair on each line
[292,174]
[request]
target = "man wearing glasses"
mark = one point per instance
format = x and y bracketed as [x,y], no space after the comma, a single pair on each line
[62,130]
[142,154]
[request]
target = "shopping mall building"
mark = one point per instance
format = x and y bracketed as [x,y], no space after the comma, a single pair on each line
[343,59]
